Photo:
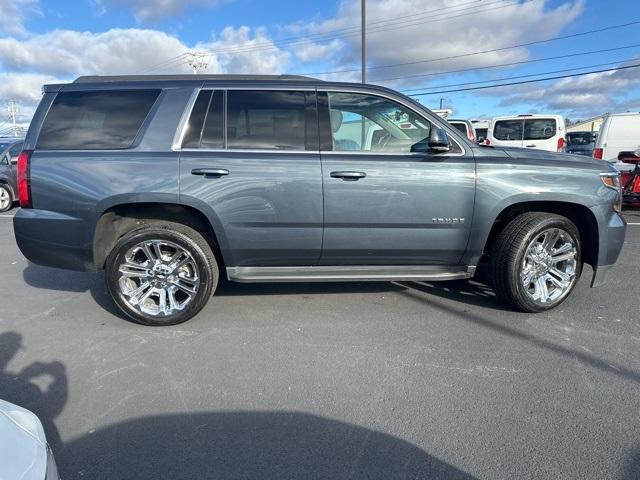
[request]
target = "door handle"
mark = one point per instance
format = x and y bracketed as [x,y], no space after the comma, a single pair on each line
[348,176]
[210,172]
[531,146]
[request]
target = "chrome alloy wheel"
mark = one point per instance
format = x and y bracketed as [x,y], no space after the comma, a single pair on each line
[549,265]
[158,278]
[5,198]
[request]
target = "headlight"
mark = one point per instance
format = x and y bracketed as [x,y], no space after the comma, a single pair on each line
[612,181]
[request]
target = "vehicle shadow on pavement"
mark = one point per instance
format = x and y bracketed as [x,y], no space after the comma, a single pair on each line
[248,445]
[21,387]
[70,281]
[505,328]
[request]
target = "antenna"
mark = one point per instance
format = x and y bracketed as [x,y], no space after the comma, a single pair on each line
[197,61]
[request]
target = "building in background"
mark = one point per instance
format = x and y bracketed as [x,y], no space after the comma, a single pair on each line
[588,125]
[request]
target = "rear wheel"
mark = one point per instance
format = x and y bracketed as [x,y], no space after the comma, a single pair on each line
[161,274]
[536,261]
[6,198]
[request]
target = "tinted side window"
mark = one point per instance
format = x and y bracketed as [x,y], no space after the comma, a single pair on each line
[15,150]
[108,119]
[361,122]
[539,128]
[265,120]
[508,129]
[204,129]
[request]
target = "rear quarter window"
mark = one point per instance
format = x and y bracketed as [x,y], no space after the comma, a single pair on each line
[107,119]
[539,128]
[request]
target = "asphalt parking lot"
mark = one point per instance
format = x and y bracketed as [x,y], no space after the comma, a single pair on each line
[411,380]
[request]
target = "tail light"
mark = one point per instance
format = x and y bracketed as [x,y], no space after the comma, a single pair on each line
[598,153]
[560,147]
[471,136]
[487,141]
[24,179]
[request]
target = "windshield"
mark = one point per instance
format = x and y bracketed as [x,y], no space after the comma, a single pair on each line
[579,138]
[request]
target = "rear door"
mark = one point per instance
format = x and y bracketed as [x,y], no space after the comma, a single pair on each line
[541,134]
[384,203]
[257,167]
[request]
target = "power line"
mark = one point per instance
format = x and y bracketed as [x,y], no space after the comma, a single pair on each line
[330,35]
[480,52]
[510,64]
[526,81]
[527,75]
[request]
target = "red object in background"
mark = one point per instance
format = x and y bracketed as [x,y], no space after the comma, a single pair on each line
[561,144]
[630,181]
[597,153]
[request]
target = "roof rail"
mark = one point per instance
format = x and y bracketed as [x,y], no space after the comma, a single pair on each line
[186,77]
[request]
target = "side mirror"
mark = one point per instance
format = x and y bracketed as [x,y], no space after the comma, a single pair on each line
[439,140]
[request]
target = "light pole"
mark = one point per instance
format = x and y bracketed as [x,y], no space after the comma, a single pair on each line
[363,41]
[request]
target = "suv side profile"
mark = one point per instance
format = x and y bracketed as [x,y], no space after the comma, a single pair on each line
[168,183]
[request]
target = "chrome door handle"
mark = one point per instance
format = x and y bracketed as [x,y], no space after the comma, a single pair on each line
[210,172]
[348,176]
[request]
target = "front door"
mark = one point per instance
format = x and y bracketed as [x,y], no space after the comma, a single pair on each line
[259,172]
[383,203]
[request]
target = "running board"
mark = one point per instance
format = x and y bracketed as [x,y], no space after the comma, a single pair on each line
[374,273]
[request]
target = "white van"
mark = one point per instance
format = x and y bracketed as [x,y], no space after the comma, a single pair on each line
[542,132]
[620,132]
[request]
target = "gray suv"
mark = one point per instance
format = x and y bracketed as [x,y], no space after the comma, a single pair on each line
[10,148]
[169,182]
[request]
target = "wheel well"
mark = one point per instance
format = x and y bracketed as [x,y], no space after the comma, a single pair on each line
[120,219]
[580,215]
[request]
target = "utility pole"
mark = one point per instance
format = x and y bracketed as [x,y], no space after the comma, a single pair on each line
[197,61]
[441,99]
[363,45]
[13,113]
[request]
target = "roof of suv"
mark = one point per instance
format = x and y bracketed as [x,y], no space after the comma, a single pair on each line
[156,78]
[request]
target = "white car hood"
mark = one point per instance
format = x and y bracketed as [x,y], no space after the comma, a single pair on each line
[23,448]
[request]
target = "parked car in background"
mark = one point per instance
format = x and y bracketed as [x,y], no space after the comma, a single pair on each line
[9,150]
[481,128]
[581,143]
[464,127]
[620,132]
[541,132]
[168,182]
[24,452]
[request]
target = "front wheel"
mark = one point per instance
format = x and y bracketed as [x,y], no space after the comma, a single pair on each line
[161,274]
[6,198]
[536,261]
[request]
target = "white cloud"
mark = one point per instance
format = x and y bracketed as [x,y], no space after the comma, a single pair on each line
[14,13]
[582,96]
[146,11]
[441,28]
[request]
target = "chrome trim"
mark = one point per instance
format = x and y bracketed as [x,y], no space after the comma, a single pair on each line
[181,129]
[248,150]
[376,273]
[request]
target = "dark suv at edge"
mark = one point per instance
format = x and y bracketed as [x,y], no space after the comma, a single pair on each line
[166,182]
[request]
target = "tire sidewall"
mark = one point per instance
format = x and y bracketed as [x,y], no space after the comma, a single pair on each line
[11,198]
[516,284]
[207,268]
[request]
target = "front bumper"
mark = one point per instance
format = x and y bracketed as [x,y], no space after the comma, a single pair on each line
[611,233]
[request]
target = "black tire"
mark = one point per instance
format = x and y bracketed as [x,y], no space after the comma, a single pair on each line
[186,238]
[508,253]
[6,190]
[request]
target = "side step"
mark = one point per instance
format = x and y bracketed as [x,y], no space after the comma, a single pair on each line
[380,273]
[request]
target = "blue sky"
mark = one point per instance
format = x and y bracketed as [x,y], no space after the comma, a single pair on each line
[43,41]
